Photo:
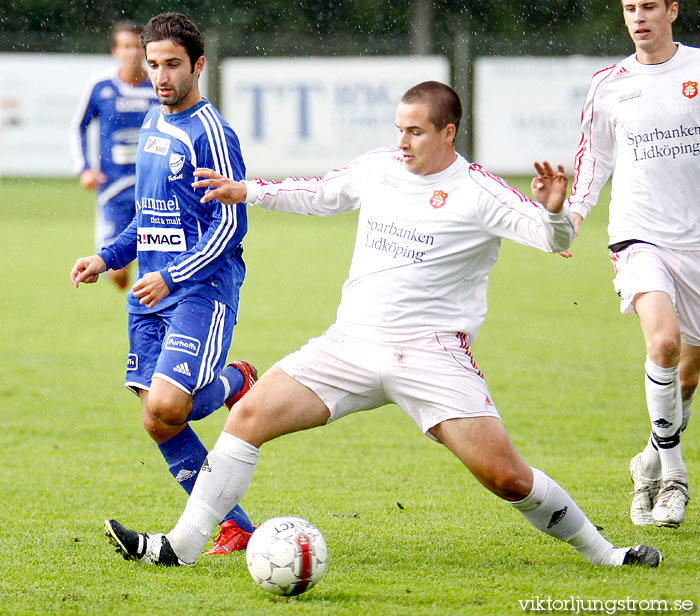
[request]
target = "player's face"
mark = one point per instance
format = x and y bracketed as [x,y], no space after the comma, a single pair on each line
[127,49]
[171,74]
[649,23]
[425,149]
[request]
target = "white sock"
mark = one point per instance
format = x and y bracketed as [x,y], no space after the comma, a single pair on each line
[650,467]
[550,509]
[221,483]
[663,393]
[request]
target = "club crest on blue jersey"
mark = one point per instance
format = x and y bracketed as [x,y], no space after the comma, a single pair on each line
[157,145]
[132,362]
[177,161]
[176,342]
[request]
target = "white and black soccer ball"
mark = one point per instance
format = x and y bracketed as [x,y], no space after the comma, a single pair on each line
[287,555]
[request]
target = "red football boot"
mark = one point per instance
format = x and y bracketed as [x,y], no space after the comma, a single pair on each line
[230,539]
[250,375]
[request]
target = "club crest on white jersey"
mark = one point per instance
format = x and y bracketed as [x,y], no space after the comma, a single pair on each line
[690,89]
[438,199]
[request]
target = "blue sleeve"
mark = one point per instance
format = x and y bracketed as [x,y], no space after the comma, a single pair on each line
[221,240]
[229,222]
[85,113]
[122,250]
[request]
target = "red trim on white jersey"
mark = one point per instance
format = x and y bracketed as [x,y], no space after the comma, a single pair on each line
[598,77]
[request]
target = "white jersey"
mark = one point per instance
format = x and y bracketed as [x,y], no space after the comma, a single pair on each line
[425,243]
[643,120]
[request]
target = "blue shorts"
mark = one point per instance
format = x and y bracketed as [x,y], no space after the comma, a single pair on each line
[113,217]
[185,344]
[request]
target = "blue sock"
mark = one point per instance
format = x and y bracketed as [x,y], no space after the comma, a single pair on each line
[210,398]
[185,454]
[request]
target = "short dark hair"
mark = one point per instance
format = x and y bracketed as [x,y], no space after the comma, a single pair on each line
[124,26]
[177,28]
[444,103]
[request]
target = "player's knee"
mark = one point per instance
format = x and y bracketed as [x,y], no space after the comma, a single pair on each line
[246,421]
[166,411]
[243,413]
[509,483]
[157,430]
[664,349]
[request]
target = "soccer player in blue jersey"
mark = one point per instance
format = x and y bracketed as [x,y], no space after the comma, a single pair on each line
[118,101]
[183,305]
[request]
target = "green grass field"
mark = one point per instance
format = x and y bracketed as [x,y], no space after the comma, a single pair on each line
[410,532]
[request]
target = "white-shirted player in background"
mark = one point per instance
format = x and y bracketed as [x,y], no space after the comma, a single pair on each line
[118,101]
[429,231]
[642,119]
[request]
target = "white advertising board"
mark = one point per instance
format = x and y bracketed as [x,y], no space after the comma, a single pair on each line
[528,109]
[304,116]
[39,94]
[38,97]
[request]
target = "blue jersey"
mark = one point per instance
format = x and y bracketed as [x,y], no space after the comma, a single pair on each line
[196,247]
[120,109]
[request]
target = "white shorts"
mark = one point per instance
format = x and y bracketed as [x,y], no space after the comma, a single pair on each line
[643,267]
[432,378]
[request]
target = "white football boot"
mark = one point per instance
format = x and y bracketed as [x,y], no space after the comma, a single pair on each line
[644,495]
[669,509]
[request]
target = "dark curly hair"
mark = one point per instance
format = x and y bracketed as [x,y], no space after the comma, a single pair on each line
[178,29]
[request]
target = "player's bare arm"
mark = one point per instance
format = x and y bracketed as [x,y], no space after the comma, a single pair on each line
[549,187]
[150,289]
[87,270]
[221,188]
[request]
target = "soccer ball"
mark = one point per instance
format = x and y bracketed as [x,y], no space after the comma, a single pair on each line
[287,555]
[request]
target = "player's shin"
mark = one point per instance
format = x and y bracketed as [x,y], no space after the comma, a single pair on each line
[210,398]
[222,481]
[184,454]
[550,509]
[686,407]
[664,403]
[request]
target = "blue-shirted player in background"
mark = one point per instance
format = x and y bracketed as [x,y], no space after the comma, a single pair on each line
[118,101]
[183,305]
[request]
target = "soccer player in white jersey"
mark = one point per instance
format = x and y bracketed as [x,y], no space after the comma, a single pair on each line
[642,119]
[429,231]
[182,308]
[118,101]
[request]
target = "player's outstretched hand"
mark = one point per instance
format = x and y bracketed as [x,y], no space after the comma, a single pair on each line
[92,179]
[549,187]
[87,270]
[221,188]
[150,289]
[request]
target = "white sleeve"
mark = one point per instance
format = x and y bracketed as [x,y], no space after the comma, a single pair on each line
[594,158]
[507,213]
[335,192]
